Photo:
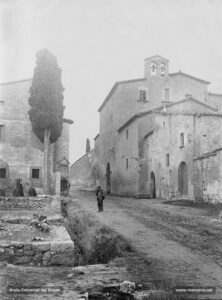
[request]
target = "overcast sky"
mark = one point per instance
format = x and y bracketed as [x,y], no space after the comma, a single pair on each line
[98,42]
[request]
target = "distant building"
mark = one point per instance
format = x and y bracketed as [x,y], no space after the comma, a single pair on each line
[82,172]
[21,152]
[160,136]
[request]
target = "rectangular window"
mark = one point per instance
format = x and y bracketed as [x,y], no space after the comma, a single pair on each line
[167,159]
[2,172]
[2,135]
[35,173]
[127,134]
[143,95]
[127,164]
[182,139]
[167,94]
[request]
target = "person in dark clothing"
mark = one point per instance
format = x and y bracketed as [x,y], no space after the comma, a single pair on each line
[100,197]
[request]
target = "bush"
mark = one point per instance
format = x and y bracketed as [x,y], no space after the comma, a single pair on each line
[80,228]
[93,242]
[107,245]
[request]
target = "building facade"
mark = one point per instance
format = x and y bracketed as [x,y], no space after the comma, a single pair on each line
[158,136]
[21,152]
[82,172]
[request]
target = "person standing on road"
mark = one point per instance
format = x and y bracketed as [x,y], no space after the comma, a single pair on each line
[100,197]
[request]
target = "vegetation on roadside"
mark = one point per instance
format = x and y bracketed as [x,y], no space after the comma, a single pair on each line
[94,243]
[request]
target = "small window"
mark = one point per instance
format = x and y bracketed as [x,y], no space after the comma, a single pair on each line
[127,163]
[167,94]
[35,173]
[182,139]
[153,69]
[2,135]
[127,134]
[143,95]
[167,159]
[2,172]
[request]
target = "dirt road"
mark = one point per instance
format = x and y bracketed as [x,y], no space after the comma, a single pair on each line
[181,245]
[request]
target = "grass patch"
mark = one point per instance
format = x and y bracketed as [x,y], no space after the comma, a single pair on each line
[94,243]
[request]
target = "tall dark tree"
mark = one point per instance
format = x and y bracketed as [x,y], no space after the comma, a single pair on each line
[46,101]
[88,148]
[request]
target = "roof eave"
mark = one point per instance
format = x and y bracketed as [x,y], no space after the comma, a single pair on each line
[189,76]
[115,87]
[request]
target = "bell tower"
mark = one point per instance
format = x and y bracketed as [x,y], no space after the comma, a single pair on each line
[156,67]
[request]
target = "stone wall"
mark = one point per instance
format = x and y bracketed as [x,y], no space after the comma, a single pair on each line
[125,175]
[23,242]
[154,136]
[208,178]
[166,140]
[38,253]
[215,100]
[20,149]
[81,172]
[22,202]
[181,85]
[208,133]
[201,134]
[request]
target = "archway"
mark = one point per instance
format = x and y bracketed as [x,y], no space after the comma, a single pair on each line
[183,179]
[108,179]
[152,186]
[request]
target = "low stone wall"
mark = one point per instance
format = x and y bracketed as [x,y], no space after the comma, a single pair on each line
[24,244]
[23,202]
[38,253]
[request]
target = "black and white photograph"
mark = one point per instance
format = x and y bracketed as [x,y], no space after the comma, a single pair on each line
[111,149]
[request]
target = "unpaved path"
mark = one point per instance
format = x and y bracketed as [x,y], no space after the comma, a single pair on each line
[181,245]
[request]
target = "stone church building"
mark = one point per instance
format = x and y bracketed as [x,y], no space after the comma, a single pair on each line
[161,136]
[21,152]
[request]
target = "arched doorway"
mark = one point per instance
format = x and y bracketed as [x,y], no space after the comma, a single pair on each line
[108,179]
[183,179]
[152,186]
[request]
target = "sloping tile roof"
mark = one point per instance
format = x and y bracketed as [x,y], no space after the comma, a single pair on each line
[156,57]
[189,76]
[13,82]
[193,100]
[96,137]
[214,94]
[207,154]
[86,154]
[143,79]
[114,89]
[160,108]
